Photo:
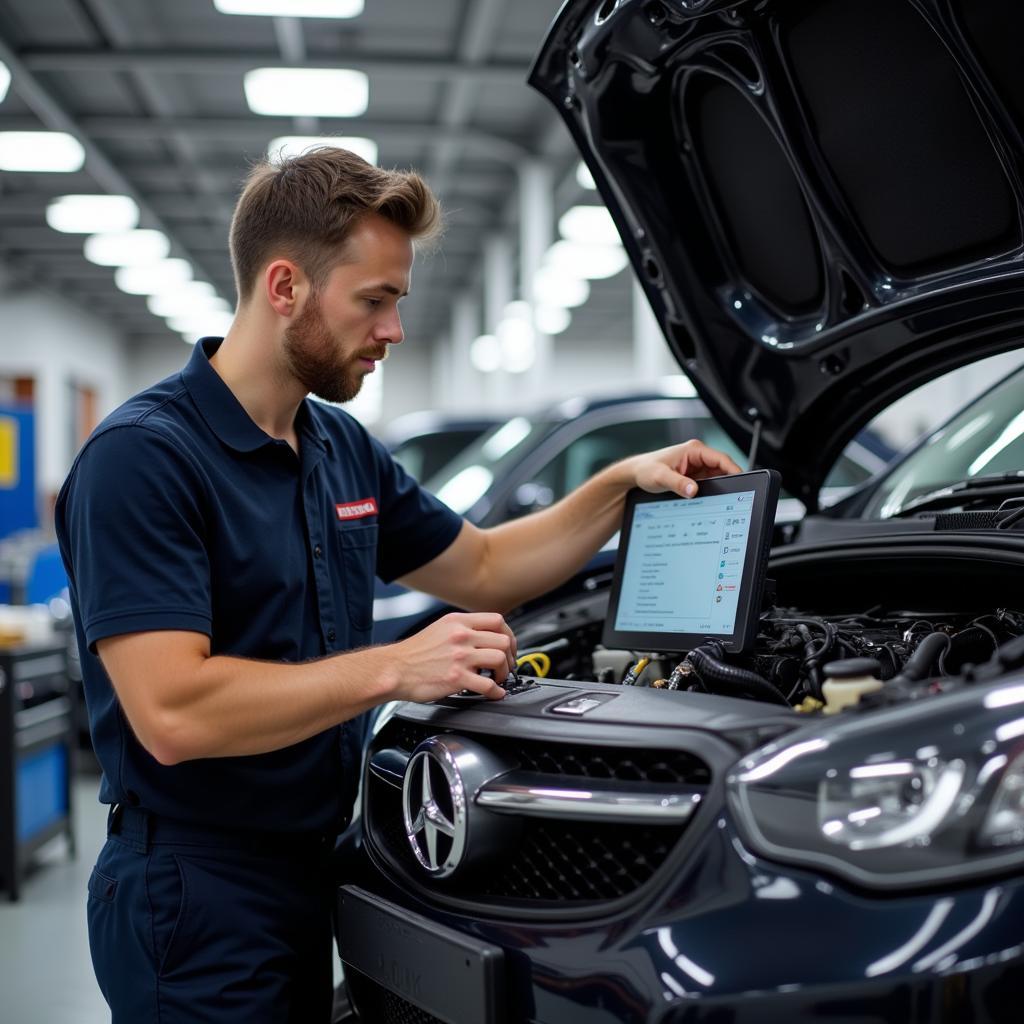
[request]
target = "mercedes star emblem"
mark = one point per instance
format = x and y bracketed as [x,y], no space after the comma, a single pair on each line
[434,807]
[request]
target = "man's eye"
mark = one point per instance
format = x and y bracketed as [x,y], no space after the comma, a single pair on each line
[372,303]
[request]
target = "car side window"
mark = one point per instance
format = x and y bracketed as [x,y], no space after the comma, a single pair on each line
[593,451]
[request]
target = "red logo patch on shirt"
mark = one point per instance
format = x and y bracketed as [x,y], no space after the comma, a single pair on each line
[357,509]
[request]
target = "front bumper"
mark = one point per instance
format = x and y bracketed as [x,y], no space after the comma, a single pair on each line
[736,939]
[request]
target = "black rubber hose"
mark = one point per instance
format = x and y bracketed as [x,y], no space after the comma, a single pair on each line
[733,678]
[922,661]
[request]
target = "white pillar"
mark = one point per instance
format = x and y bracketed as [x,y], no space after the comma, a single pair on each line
[536,220]
[498,283]
[462,390]
[651,356]
[441,370]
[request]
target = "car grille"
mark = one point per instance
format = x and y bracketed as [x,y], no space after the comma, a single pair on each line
[379,1005]
[555,862]
[624,764]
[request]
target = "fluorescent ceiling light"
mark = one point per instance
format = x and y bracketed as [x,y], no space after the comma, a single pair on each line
[295,145]
[194,297]
[589,225]
[44,152]
[584,178]
[552,319]
[292,8]
[517,310]
[127,248]
[201,325]
[592,261]
[518,347]
[5,80]
[152,278]
[485,354]
[83,214]
[307,92]
[555,286]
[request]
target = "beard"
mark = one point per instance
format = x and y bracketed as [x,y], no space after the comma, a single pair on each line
[313,358]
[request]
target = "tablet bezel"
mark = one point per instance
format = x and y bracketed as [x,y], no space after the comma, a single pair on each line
[765,485]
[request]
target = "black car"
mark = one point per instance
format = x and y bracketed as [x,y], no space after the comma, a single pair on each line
[529,461]
[823,199]
[423,443]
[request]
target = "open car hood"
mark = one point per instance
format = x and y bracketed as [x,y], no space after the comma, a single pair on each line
[821,198]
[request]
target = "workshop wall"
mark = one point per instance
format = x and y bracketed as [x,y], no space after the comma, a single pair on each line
[63,347]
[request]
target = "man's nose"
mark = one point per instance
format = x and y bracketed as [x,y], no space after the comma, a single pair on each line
[390,329]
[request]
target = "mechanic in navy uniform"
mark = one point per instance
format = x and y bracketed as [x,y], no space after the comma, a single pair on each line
[221,534]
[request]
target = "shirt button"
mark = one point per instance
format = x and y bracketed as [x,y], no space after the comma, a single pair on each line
[331,636]
[318,551]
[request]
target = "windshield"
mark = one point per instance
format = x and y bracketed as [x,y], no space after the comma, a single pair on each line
[985,439]
[465,480]
[427,454]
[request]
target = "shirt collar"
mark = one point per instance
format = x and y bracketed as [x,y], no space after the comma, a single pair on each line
[223,412]
[309,427]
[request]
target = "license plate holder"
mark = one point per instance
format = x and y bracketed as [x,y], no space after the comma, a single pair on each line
[448,974]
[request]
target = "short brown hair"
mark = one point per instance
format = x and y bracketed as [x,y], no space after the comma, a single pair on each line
[305,207]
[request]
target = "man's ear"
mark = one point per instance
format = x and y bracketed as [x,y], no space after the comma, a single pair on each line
[285,286]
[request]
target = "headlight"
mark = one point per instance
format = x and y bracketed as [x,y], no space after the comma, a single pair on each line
[911,796]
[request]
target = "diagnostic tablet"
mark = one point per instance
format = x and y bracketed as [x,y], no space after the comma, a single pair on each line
[692,569]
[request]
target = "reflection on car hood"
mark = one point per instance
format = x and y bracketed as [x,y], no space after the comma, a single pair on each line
[821,199]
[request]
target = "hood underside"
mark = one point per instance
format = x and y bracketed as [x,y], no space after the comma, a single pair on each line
[821,198]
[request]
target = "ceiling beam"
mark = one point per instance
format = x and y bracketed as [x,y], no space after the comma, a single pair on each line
[54,116]
[113,27]
[221,62]
[483,144]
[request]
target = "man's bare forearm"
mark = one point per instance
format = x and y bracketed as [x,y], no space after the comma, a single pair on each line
[224,706]
[185,704]
[524,558]
[529,556]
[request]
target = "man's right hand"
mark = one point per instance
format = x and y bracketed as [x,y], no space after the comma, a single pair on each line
[447,656]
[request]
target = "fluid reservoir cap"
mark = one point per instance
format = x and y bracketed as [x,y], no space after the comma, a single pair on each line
[852,668]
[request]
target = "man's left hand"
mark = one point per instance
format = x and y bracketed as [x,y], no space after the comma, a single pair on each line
[678,468]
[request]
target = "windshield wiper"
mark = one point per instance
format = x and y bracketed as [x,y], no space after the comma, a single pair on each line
[996,484]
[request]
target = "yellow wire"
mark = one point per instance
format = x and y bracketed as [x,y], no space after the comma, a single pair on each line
[537,660]
[641,665]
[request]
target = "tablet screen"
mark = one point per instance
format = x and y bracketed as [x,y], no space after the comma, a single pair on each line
[692,569]
[684,565]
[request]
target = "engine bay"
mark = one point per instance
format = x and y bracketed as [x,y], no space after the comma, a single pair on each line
[797,654]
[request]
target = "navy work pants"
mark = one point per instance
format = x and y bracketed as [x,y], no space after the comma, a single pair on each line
[206,926]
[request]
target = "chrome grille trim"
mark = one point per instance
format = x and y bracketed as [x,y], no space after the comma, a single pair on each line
[533,795]
[537,795]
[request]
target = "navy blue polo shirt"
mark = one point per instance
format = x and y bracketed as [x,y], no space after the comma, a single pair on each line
[181,513]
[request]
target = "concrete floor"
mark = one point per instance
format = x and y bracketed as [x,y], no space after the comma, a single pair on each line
[46,973]
[45,970]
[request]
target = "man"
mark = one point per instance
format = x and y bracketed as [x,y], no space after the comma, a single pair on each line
[221,535]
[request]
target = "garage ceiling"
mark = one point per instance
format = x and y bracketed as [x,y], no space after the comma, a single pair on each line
[154,91]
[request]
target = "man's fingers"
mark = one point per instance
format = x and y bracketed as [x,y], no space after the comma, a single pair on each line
[482,685]
[662,477]
[495,660]
[490,627]
[487,621]
[700,460]
[503,642]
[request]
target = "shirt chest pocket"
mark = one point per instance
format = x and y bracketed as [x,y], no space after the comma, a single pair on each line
[359,563]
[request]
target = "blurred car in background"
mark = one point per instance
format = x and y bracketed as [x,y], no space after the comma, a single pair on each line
[423,443]
[529,462]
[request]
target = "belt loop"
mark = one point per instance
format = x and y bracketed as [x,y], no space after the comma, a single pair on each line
[131,824]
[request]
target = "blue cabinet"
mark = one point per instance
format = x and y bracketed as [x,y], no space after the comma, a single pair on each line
[37,738]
